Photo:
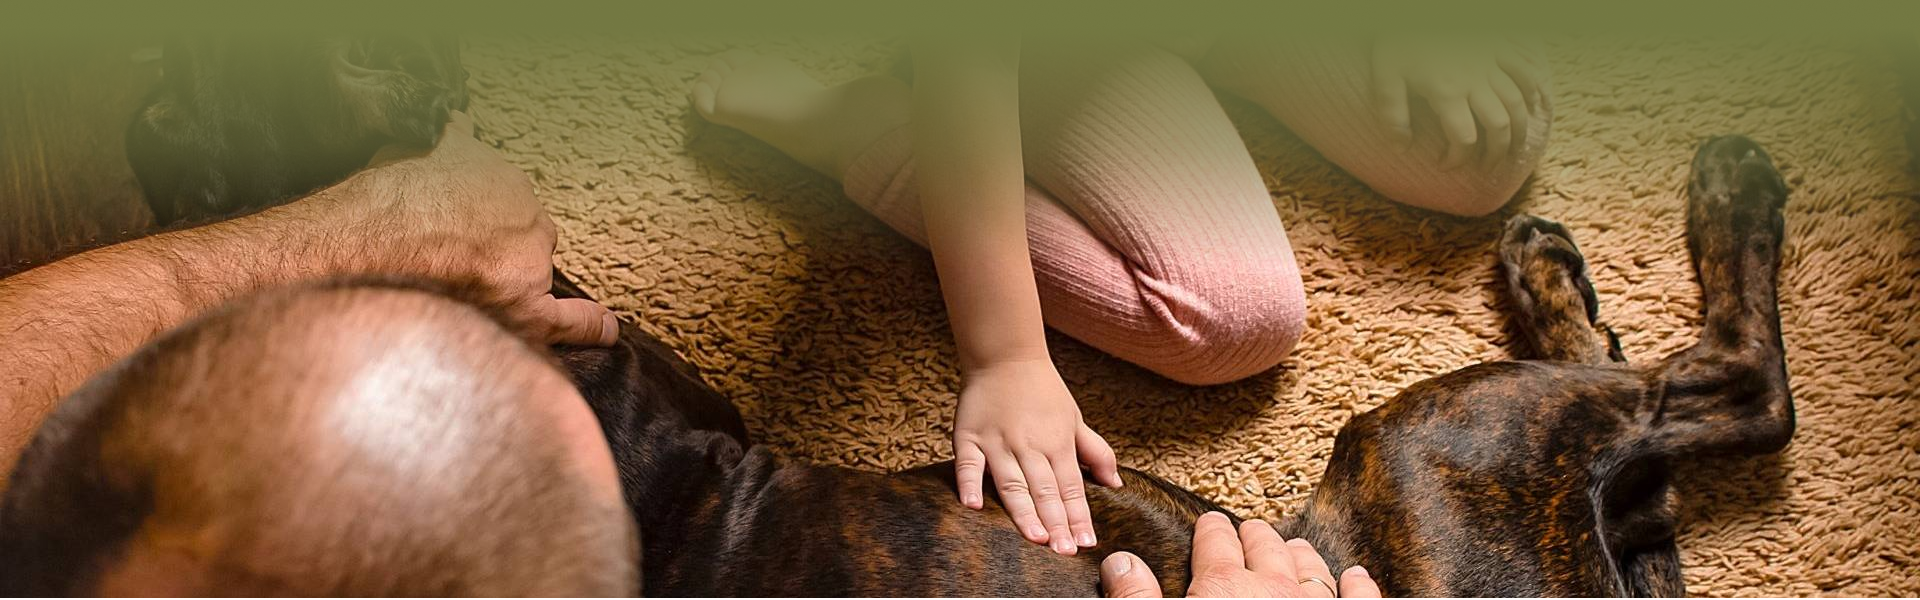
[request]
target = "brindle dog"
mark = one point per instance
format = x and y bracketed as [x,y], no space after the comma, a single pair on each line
[1545,476]
[1540,477]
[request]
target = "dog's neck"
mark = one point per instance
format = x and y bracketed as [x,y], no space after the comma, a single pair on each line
[673,440]
[669,473]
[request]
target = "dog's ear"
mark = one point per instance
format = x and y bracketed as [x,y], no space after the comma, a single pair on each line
[398,89]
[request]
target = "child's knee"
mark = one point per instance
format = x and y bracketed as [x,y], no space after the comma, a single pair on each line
[1232,331]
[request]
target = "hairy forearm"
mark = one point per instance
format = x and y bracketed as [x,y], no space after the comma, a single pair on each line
[63,322]
[972,190]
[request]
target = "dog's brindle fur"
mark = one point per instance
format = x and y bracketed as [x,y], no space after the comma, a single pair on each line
[1546,476]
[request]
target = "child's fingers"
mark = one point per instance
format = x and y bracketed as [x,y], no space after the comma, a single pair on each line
[1073,493]
[1046,500]
[969,468]
[1097,456]
[1012,484]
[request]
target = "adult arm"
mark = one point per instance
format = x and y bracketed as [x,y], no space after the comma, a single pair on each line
[456,212]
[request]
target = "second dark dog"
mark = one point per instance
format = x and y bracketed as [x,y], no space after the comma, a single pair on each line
[243,123]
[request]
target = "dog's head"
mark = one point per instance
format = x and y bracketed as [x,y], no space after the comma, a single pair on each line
[242,123]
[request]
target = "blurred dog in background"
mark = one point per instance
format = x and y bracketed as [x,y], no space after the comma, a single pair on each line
[241,123]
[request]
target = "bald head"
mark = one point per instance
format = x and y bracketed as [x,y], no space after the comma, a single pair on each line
[335,440]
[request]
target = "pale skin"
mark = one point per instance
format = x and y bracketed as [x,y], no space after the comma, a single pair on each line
[459,211]
[1016,422]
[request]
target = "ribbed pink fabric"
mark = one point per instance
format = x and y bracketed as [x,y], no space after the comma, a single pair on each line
[1153,236]
[1323,92]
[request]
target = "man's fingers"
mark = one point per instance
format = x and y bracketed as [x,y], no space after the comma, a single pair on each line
[1265,551]
[969,469]
[1492,117]
[1356,582]
[1012,484]
[1457,125]
[1123,575]
[1307,563]
[1045,487]
[576,321]
[1073,493]
[1097,456]
[1215,545]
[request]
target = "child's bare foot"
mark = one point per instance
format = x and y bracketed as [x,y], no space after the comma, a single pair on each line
[822,127]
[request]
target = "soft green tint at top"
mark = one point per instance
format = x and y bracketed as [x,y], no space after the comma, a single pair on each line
[48,20]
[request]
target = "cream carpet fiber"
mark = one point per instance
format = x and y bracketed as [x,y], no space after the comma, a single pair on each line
[828,331]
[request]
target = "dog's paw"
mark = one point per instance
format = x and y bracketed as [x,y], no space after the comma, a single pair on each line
[1734,198]
[1734,171]
[1546,275]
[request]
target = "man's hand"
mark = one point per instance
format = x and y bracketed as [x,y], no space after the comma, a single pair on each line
[459,211]
[456,212]
[1252,564]
[1018,422]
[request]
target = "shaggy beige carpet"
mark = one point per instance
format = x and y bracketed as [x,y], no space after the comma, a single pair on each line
[828,330]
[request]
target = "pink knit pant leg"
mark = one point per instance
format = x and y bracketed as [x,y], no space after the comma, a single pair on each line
[1153,236]
[1323,92]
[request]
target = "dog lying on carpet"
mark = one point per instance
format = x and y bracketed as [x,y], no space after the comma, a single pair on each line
[1546,476]
[1543,477]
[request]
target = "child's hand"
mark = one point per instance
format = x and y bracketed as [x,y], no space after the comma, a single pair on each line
[1017,421]
[1481,92]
